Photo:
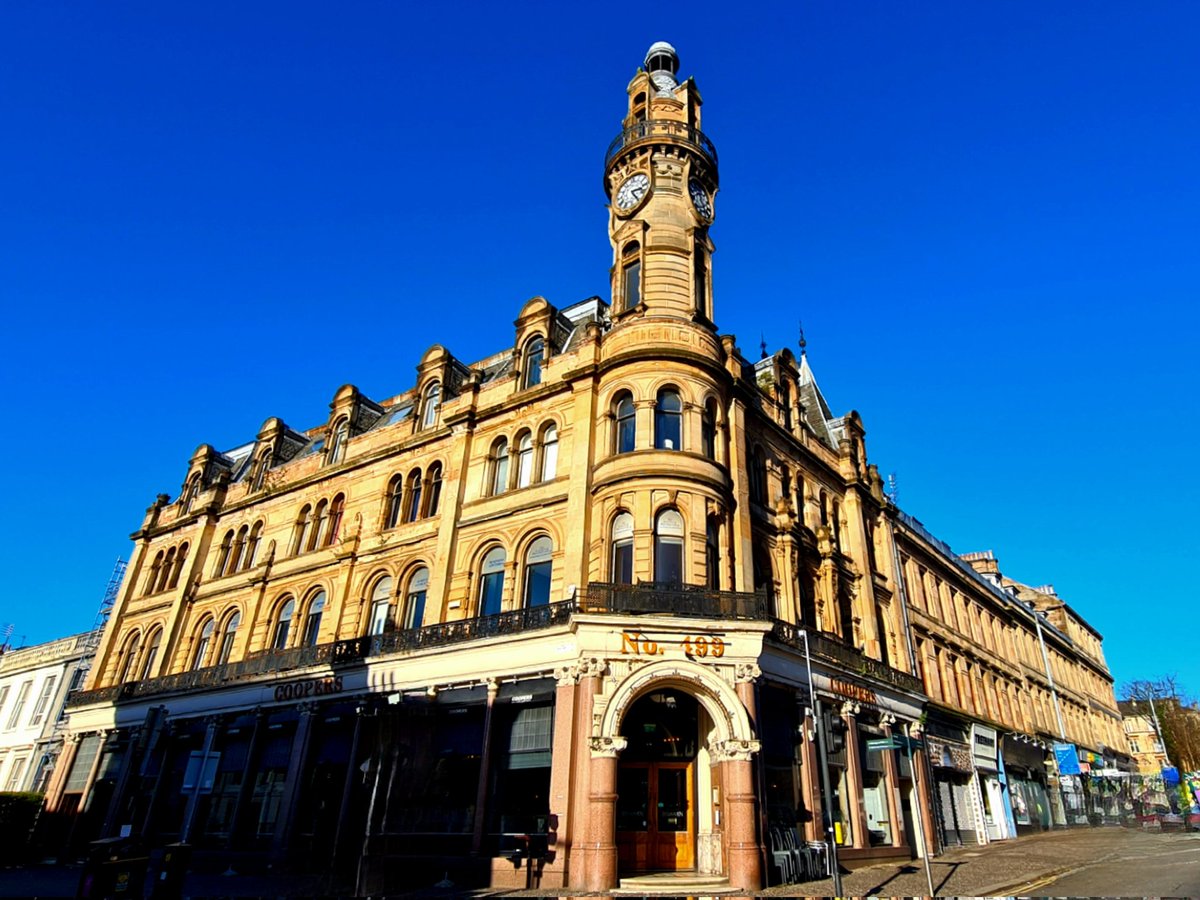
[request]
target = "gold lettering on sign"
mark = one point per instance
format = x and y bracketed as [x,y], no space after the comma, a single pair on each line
[853,691]
[639,645]
[695,646]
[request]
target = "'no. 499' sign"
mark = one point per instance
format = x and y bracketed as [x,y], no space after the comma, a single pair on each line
[694,646]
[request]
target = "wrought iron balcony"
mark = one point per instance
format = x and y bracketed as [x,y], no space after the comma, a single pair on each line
[511,622]
[672,599]
[833,651]
[651,130]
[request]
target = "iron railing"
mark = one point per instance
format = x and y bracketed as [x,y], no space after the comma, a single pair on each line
[654,129]
[833,651]
[674,600]
[511,622]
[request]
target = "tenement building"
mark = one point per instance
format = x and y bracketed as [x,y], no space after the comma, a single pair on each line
[614,587]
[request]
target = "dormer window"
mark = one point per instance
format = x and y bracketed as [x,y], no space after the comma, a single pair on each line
[535,353]
[430,405]
[336,451]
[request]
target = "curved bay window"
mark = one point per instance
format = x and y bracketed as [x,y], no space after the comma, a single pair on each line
[625,433]
[535,354]
[283,624]
[498,465]
[381,606]
[414,598]
[668,547]
[430,405]
[312,621]
[668,420]
[549,443]
[538,568]
[491,582]
[631,275]
[202,644]
[622,549]
[228,635]
[712,553]
[708,429]
[525,460]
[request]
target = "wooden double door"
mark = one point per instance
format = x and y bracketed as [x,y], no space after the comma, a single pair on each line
[656,816]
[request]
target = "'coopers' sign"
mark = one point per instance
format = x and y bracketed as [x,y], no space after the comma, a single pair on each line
[311,687]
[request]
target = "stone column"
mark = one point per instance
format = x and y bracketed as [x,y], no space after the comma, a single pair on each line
[744,852]
[854,779]
[562,772]
[602,822]
[66,759]
[485,767]
[578,833]
[892,772]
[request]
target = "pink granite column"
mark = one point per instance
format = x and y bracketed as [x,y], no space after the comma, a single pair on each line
[741,833]
[602,819]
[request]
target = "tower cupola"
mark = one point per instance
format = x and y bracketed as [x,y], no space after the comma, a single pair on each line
[662,63]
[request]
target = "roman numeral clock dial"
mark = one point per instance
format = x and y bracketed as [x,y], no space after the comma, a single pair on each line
[632,190]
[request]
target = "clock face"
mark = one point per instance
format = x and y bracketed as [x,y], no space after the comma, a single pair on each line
[634,188]
[700,198]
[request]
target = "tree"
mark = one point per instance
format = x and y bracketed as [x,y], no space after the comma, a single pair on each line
[1178,717]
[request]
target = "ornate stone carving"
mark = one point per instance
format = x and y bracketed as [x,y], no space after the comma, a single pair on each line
[743,672]
[607,746]
[592,667]
[735,750]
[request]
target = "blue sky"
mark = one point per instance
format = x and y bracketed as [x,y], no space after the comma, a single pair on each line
[985,214]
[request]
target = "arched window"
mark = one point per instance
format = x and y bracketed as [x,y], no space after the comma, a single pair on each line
[177,570]
[708,429]
[785,403]
[622,549]
[538,567]
[491,582]
[202,644]
[800,496]
[222,565]
[631,275]
[433,488]
[639,108]
[668,420]
[712,553]
[164,574]
[336,451]
[626,423]
[395,501]
[190,490]
[498,476]
[524,459]
[836,511]
[320,533]
[535,353]
[764,577]
[252,543]
[150,657]
[238,548]
[312,622]
[129,657]
[668,547]
[258,472]
[757,473]
[414,598]
[412,496]
[302,530]
[381,606]
[700,279]
[227,638]
[283,624]
[430,404]
[549,451]
[152,578]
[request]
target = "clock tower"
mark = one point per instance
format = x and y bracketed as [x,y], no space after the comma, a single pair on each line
[660,175]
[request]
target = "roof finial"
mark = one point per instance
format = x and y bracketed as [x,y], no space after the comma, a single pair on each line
[763,345]
[803,342]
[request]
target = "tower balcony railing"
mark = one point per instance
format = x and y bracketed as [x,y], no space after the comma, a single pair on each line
[650,130]
[831,650]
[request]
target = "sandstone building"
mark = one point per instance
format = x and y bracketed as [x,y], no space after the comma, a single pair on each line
[616,582]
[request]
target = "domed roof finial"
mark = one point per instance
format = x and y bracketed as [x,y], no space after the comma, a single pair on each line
[803,342]
[662,63]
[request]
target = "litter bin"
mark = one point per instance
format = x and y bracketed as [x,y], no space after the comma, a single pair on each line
[115,868]
[168,869]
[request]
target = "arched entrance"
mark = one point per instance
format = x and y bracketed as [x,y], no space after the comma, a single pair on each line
[657,782]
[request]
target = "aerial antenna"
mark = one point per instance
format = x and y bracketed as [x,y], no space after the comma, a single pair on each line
[893,491]
[6,633]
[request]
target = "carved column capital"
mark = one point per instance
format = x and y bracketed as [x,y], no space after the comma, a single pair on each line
[610,747]
[746,672]
[735,750]
[592,667]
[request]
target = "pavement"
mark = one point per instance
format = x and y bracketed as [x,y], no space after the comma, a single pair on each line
[1109,861]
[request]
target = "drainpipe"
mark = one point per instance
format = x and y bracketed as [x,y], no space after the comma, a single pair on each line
[1037,621]
[902,594]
